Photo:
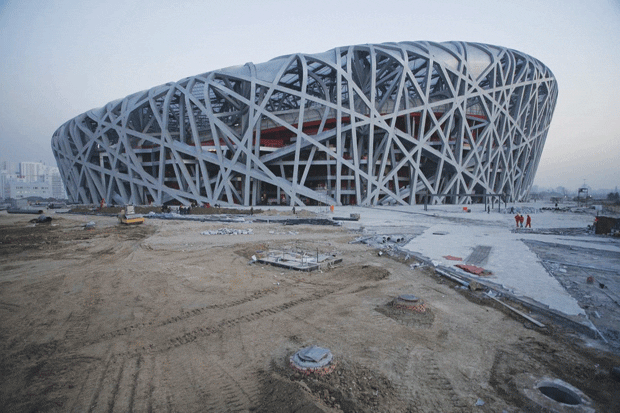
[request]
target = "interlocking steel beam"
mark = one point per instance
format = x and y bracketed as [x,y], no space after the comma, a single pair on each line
[364,125]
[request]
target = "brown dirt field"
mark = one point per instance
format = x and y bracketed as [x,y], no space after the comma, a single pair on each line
[158,317]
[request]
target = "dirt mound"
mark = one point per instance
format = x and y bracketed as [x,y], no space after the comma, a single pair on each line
[407,317]
[364,272]
[349,388]
[247,250]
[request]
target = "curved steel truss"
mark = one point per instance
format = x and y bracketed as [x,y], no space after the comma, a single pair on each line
[365,125]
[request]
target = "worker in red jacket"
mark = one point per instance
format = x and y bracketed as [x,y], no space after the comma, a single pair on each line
[517,220]
[521,219]
[528,222]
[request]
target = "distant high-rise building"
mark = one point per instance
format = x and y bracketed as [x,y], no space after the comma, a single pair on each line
[4,184]
[10,167]
[32,171]
[55,180]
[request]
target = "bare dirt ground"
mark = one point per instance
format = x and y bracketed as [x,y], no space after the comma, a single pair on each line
[157,318]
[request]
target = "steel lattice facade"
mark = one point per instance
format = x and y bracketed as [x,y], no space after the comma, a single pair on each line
[363,125]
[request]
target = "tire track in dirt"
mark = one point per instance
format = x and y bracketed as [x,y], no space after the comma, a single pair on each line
[84,400]
[216,388]
[99,384]
[78,327]
[160,398]
[185,315]
[423,382]
[143,385]
[241,392]
[126,384]
[198,332]
[9,307]
[178,376]
[111,384]
[211,385]
[125,389]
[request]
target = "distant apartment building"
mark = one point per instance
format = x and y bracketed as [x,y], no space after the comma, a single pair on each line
[21,189]
[30,179]
[32,171]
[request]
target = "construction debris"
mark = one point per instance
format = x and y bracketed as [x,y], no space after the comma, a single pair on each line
[384,241]
[310,221]
[352,217]
[479,271]
[475,286]
[300,261]
[201,218]
[528,318]
[229,231]
[42,219]
[284,233]
[607,225]
[24,211]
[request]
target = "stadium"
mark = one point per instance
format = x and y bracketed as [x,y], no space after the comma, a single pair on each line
[393,123]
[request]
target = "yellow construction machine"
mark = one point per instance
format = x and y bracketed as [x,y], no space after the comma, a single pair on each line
[128,216]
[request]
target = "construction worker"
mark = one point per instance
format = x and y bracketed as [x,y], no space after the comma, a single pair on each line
[517,220]
[528,222]
[521,219]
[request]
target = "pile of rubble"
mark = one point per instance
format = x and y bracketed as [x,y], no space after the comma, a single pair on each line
[201,218]
[229,231]
[284,233]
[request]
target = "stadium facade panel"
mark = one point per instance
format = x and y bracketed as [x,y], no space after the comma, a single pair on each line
[393,123]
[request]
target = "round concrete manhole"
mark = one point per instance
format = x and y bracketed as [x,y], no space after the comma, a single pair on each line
[553,395]
[409,302]
[408,309]
[313,359]
[559,393]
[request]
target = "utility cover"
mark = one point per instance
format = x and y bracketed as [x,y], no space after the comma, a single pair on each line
[313,353]
[312,357]
[408,297]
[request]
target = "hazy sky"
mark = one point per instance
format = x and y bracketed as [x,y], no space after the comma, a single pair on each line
[60,58]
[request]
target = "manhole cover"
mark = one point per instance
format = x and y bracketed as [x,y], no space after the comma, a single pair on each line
[409,302]
[313,359]
[408,298]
